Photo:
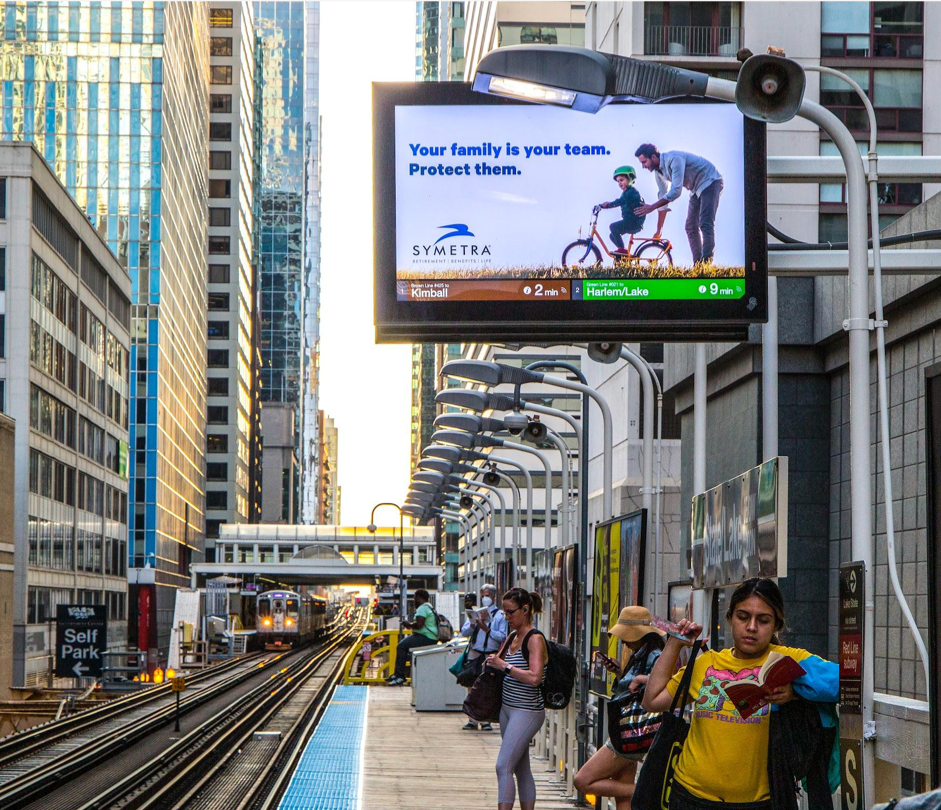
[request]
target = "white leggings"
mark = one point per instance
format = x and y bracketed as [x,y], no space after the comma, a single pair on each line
[517,728]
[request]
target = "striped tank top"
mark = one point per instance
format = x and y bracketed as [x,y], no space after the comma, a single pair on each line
[519,695]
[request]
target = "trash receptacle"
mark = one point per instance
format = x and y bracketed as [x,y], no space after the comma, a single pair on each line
[434,689]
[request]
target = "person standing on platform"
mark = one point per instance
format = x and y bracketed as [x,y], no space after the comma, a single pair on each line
[523,711]
[608,772]
[486,633]
[424,633]
[725,761]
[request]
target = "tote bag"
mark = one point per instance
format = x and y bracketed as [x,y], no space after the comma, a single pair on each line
[485,699]
[631,730]
[656,776]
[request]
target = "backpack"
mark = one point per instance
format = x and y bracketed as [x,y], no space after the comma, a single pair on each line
[445,630]
[561,670]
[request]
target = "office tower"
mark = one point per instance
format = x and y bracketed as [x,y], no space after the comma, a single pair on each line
[231,304]
[115,97]
[65,315]
[311,438]
[329,514]
[281,30]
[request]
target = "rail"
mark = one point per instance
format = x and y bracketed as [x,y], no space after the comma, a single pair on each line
[368,653]
[692,40]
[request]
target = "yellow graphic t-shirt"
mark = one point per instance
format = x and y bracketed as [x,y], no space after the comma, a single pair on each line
[725,758]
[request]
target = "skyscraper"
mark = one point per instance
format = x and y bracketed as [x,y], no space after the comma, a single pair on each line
[312,437]
[115,97]
[231,304]
[281,31]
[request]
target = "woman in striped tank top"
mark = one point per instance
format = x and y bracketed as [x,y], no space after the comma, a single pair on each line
[523,711]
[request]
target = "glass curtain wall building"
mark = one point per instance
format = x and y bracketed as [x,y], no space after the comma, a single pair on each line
[311,496]
[280,29]
[115,97]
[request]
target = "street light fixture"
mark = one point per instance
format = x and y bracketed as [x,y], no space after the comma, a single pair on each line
[403,587]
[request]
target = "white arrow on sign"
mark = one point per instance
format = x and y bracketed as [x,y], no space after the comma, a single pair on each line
[79,669]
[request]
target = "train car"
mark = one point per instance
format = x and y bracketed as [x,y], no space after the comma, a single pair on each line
[289,619]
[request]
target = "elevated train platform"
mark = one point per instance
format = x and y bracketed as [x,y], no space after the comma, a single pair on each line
[373,751]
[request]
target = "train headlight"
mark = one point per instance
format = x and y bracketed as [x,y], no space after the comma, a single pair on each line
[288,622]
[267,622]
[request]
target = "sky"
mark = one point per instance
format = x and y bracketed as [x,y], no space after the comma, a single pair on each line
[366,388]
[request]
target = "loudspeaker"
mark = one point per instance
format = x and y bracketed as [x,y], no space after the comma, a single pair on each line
[604,352]
[770,88]
[466,501]
[535,432]
[491,478]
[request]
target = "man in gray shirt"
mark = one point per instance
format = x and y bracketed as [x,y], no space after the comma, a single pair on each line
[673,172]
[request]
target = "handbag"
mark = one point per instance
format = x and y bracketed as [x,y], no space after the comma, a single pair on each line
[485,699]
[457,666]
[471,670]
[655,781]
[631,730]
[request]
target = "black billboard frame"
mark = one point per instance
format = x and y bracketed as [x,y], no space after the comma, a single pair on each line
[546,321]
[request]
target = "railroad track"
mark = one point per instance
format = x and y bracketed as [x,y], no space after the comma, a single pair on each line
[22,745]
[232,761]
[51,759]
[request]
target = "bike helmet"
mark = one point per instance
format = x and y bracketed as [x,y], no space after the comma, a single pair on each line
[627,171]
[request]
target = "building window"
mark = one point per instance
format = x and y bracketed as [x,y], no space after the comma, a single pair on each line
[3,332]
[220,217]
[220,103]
[217,499]
[3,198]
[220,46]
[220,160]
[218,274]
[218,358]
[691,29]
[220,188]
[218,386]
[3,269]
[896,94]
[220,244]
[217,443]
[862,30]
[217,471]
[217,415]
[218,302]
[212,531]
[220,18]
[218,330]
[220,74]
[220,131]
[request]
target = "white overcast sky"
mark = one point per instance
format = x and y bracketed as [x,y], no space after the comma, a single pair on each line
[366,388]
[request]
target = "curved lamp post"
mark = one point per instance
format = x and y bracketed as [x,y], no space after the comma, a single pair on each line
[371,528]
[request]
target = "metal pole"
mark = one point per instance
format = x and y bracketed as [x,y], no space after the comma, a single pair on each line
[548,510]
[529,506]
[858,326]
[403,586]
[176,725]
[700,597]
[515,490]
[769,375]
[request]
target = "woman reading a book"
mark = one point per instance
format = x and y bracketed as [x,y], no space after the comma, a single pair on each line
[608,772]
[724,762]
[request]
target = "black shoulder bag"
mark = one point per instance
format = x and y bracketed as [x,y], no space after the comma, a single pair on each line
[485,698]
[655,780]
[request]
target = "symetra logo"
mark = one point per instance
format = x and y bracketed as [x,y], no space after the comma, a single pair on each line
[461,249]
[459,230]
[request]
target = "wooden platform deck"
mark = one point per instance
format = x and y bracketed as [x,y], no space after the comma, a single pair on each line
[456,767]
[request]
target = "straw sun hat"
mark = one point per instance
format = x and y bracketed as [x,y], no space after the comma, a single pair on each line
[633,624]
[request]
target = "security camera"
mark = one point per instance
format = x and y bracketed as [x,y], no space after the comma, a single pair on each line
[515,422]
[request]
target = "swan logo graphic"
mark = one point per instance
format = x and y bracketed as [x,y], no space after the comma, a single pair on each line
[458,229]
[463,250]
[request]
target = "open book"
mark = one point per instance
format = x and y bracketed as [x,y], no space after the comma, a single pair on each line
[750,694]
[474,613]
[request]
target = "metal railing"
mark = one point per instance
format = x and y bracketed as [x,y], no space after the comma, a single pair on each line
[692,40]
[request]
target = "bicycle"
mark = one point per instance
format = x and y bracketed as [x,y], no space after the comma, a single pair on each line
[584,253]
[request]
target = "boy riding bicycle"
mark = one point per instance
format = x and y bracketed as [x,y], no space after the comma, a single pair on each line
[630,199]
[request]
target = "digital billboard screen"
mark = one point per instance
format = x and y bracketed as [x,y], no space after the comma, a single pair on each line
[497,219]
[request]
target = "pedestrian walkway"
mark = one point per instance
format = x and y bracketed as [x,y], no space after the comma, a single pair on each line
[424,760]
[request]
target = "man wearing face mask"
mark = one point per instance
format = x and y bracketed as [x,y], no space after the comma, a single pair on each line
[486,636]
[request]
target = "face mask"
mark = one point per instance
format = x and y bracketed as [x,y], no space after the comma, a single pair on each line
[486,602]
